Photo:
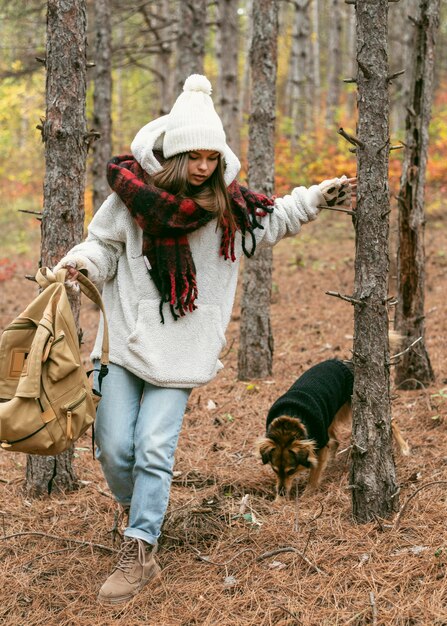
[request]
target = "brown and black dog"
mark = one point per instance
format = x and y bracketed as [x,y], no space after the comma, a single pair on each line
[303,424]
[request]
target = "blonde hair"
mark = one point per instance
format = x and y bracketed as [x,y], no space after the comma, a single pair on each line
[211,196]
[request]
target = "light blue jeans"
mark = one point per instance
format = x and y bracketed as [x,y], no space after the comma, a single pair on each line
[136,431]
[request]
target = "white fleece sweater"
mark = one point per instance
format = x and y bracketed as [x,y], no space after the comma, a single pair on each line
[185,352]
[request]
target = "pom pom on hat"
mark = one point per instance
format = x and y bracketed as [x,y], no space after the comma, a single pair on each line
[197,82]
[193,123]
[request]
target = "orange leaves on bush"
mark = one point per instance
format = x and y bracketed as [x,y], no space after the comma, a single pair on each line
[7,269]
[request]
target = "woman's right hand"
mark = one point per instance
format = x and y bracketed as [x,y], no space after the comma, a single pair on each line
[72,274]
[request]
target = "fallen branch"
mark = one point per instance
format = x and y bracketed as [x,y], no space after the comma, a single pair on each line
[90,544]
[267,555]
[404,506]
[261,557]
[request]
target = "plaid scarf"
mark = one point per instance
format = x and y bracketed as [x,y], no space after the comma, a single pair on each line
[167,219]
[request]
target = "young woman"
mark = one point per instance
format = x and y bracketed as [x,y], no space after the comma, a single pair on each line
[165,247]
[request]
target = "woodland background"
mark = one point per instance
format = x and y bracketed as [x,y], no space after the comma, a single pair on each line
[231,556]
[144,59]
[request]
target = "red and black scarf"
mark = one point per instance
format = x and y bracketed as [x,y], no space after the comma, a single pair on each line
[167,219]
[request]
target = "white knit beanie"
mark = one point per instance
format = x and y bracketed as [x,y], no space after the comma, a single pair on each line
[193,123]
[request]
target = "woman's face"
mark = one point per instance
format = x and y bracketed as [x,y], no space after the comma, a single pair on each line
[201,164]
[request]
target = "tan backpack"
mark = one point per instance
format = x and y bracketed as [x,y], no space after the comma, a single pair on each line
[46,399]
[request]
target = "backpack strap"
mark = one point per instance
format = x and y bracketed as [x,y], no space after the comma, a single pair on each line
[46,277]
[91,291]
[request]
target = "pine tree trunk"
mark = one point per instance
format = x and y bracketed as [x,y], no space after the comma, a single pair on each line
[159,22]
[315,59]
[245,87]
[165,56]
[227,54]
[333,62]
[414,368]
[349,61]
[373,476]
[190,40]
[64,134]
[401,40]
[102,102]
[256,341]
[300,112]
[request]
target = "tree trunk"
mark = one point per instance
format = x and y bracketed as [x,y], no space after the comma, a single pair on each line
[349,60]
[334,62]
[102,103]
[373,476]
[298,64]
[227,54]
[64,134]
[190,40]
[158,19]
[414,368]
[246,76]
[256,341]
[315,58]
[401,40]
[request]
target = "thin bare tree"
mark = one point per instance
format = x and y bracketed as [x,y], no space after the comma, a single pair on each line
[414,368]
[401,41]
[162,28]
[373,474]
[334,61]
[65,136]
[315,58]
[256,341]
[190,40]
[227,56]
[102,102]
[300,106]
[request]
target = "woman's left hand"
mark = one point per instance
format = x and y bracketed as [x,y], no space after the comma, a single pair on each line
[339,192]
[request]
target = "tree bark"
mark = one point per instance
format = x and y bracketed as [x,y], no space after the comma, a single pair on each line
[401,40]
[245,87]
[256,341]
[227,86]
[299,63]
[334,62]
[316,73]
[191,40]
[414,368]
[373,475]
[64,134]
[102,102]
[159,22]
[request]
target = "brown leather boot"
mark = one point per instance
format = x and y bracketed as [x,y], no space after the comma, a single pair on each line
[136,567]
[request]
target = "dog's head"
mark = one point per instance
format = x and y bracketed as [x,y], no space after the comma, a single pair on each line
[287,449]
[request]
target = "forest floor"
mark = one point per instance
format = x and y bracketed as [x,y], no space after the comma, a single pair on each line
[231,556]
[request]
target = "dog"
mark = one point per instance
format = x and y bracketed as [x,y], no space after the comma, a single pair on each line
[303,425]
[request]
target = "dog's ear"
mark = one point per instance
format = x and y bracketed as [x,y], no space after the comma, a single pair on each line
[303,451]
[265,449]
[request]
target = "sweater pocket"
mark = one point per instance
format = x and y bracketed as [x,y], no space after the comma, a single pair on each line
[182,352]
